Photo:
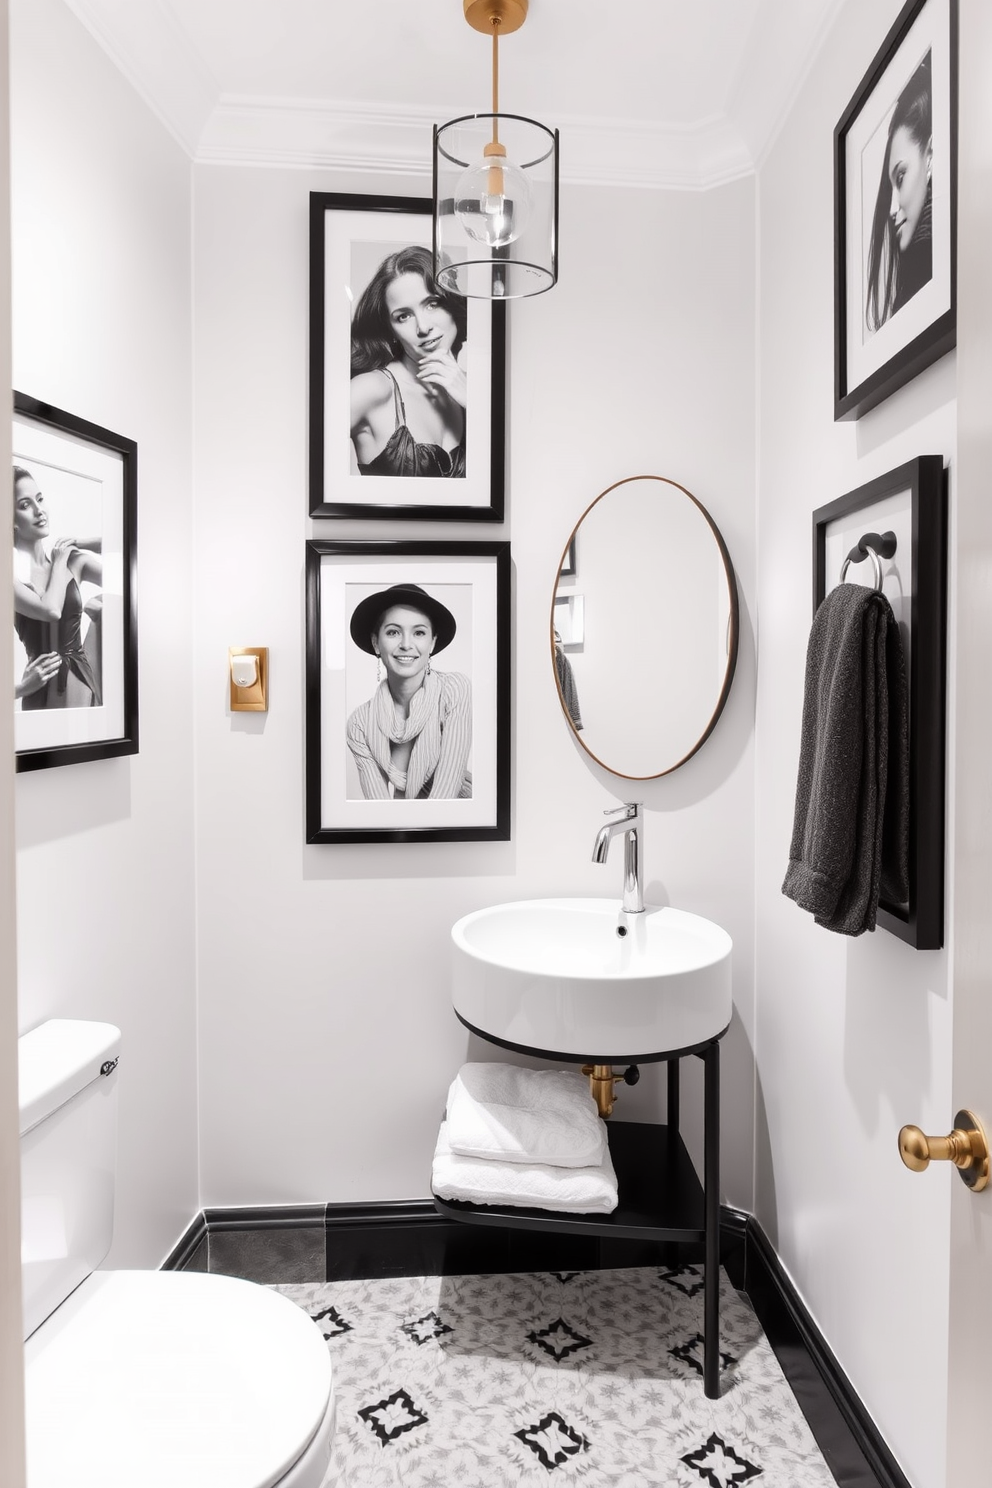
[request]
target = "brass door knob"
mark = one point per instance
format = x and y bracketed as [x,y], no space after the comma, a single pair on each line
[967,1147]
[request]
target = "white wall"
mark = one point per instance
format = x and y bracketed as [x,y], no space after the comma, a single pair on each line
[105,891]
[327,1038]
[853,1036]
[11,1353]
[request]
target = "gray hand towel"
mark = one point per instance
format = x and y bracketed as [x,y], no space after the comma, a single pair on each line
[850,838]
[569,691]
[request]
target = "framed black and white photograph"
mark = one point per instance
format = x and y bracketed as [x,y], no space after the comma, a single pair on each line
[902,518]
[75,621]
[895,199]
[407,381]
[570,628]
[407,692]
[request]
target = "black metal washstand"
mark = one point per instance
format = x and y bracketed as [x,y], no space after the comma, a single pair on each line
[660,1195]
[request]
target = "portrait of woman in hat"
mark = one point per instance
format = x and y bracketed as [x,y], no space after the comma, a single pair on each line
[412,740]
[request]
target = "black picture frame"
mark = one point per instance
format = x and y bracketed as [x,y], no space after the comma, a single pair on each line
[85,479]
[918,490]
[884,340]
[568,569]
[350,236]
[346,802]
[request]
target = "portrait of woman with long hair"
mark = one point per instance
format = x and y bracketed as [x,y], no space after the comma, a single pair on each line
[900,248]
[408,381]
[58,627]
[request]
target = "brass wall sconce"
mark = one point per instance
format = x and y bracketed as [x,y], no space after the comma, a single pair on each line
[249,668]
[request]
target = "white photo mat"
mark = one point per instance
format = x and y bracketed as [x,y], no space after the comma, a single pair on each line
[83,488]
[872,363]
[866,140]
[346,677]
[355,242]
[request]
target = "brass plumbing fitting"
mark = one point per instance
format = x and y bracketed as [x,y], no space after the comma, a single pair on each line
[601,1083]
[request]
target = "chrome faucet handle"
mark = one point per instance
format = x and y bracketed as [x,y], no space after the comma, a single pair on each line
[629,808]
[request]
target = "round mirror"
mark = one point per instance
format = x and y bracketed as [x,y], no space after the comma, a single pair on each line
[644,627]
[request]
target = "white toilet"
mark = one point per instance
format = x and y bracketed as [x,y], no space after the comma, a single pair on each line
[144,1379]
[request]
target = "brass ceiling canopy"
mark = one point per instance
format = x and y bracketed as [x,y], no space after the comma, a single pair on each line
[487,15]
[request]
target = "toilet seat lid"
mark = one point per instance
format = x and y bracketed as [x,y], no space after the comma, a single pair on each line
[172,1379]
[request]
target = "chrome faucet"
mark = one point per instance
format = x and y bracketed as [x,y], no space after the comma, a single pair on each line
[631,824]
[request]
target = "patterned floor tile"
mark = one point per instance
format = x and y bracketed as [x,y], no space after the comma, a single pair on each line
[591,1378]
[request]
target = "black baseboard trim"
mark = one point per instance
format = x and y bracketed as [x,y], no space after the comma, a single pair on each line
[179,1257]
[411,1238]
[266,1217]
[339,1217]
[847,1436]
[733,1244]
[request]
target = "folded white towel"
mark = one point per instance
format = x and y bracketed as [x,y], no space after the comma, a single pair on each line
[483,1180]
[525,1116]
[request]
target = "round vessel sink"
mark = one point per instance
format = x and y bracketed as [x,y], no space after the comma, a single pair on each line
[580,978]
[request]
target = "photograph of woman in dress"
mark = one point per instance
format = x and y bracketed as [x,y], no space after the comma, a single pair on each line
[900,249]
[50,614]
[412,740]
[408,382]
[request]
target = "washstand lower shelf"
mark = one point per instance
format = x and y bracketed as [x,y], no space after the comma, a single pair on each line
[660,1196]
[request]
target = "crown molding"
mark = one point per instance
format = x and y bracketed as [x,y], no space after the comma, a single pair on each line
[153,53]
[376,140]
[787,32]
[150,49]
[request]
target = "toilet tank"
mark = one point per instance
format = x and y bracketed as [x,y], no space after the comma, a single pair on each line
[67,1080]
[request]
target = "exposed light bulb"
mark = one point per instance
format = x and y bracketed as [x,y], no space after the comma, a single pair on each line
[493,201]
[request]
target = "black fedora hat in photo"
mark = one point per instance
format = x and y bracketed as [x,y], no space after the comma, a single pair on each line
[369,612]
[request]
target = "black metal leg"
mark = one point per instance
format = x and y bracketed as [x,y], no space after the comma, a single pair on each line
[671,1250]
[674,1070]
[711,1204]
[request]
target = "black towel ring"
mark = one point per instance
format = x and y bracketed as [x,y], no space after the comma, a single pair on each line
[873,546]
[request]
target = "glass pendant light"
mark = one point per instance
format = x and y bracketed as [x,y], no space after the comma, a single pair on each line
[495,188]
